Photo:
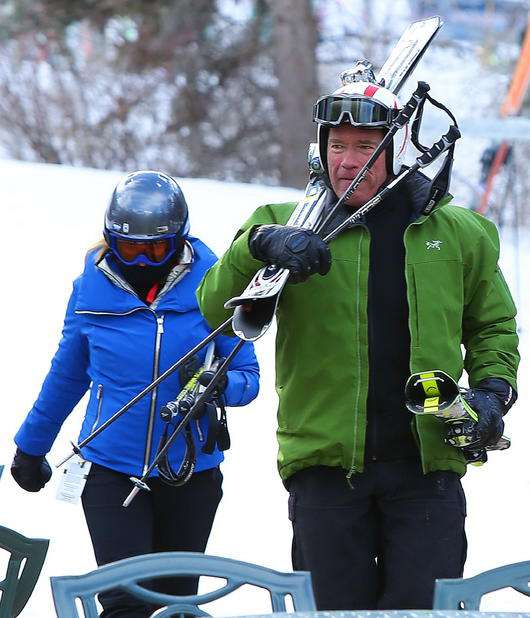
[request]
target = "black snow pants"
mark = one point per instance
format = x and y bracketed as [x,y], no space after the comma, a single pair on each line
[164,519]
[381,543]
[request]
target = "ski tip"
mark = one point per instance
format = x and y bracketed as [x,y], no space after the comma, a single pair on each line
[247,334]
[249,325]
[234,302]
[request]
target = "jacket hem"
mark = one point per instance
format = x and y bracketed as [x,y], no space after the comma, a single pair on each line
[295,466]
[453,465]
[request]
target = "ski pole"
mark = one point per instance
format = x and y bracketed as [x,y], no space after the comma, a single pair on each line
[428,157]
[400,121]
[140,483]
[76,448]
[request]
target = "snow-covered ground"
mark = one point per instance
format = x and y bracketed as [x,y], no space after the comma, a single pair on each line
[50,216]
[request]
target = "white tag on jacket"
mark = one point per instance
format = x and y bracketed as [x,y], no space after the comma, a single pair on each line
[73,480]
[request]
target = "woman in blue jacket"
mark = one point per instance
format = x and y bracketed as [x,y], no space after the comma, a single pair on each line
[132,314]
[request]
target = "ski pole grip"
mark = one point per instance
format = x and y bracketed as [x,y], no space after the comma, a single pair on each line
[445,142]
[412,104]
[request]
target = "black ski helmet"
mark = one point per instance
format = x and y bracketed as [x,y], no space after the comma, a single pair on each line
[147,206]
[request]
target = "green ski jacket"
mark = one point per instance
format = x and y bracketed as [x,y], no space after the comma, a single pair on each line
[456,295]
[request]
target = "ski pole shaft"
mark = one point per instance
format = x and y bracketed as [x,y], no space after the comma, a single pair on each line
[131,497]
[360,212]
[428,157]
[77,447]
[184,421]
[400,121]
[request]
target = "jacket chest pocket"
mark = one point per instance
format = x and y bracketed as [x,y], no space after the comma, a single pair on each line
[436,301]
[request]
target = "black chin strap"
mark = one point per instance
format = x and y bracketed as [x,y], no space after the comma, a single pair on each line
[440,183]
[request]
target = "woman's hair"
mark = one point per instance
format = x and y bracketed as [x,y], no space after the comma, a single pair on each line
[102,248]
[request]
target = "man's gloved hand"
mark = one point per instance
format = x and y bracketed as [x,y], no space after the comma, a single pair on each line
[303,252]
[490,399]
[31,472]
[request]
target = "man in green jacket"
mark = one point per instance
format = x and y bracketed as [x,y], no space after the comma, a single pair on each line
[376,502]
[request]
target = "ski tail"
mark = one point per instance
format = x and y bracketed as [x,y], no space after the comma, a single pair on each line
[436,393]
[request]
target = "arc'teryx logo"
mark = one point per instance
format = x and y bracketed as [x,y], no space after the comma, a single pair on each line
[433,244]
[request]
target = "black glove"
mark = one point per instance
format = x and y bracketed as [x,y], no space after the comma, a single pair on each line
[207,376]
[31,472]
[303,252]
[490,399]
[189,369]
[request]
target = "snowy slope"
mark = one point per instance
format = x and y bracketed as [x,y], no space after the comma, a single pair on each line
[50,216]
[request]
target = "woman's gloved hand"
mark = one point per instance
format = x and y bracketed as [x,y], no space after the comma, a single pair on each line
[31,472]
[207,376]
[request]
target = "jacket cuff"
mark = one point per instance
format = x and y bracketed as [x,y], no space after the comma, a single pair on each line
[241,257]
[501,389]
[237,387]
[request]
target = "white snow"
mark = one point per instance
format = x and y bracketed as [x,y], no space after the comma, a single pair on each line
[50,216]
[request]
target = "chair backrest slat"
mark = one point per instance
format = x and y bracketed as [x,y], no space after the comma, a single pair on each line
[127,574]
[467,593]
[18,584]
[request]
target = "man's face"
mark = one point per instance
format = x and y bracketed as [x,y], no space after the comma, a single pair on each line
[349,148]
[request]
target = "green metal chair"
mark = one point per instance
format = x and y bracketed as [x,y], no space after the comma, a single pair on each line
[126,574]
[467,593]
[18,583]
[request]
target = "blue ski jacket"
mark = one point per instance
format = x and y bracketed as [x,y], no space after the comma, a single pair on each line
[114,344]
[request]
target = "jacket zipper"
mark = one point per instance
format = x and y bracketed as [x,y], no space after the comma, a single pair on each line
[354,468]
[410,285]
[152,407]
[154,394]
[99,397]
[89,312]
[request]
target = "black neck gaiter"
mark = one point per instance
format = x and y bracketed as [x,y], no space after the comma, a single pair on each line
[142,278]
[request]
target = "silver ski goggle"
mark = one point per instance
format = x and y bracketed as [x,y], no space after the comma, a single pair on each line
[360,111]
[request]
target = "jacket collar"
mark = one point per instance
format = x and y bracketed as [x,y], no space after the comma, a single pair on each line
[417,188]
[103,290]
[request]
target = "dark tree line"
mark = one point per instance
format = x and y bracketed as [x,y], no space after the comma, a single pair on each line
[180,85]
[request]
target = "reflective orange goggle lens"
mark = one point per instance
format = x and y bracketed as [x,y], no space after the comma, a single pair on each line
[155,250]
